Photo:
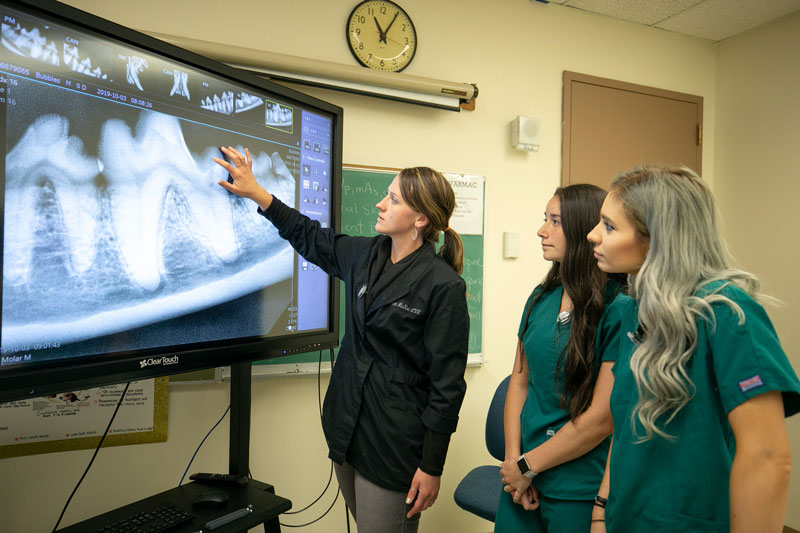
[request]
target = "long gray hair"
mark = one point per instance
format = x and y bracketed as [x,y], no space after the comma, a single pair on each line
[674,209]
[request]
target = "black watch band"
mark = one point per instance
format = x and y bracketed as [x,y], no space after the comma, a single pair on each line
[600,501]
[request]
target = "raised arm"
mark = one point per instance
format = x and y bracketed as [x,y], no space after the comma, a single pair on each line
[759,482]
[333,252]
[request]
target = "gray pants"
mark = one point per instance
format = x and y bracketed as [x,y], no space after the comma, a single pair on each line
[375,509]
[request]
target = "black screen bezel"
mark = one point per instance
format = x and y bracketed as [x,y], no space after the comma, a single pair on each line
[25,382]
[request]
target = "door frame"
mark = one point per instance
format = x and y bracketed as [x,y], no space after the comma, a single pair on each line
[570,77]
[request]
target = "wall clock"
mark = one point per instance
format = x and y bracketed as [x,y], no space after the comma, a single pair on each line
[381,35]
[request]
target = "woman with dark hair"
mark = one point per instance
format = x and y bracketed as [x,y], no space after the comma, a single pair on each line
[557,403]
[702,385]
[398,383]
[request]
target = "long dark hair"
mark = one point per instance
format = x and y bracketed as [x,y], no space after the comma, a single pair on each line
[428,192]
[585,285]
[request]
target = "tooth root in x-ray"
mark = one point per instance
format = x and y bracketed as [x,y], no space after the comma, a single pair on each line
[246,102]
[11,39]
[71,56]
[220,105]
[47,152]
[278,115]
[36,42]
[180,84]
[29,43]
[50,54]
[150,239]
[140,171]
[83,66]
[136,189]
[135,66]
[280,168]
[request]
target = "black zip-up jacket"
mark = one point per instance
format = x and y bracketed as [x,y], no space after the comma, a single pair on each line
[399,375]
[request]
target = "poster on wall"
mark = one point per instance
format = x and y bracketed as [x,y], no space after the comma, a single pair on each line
[467,218]
[76,420]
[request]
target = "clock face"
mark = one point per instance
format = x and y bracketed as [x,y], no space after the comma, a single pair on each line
[381,35]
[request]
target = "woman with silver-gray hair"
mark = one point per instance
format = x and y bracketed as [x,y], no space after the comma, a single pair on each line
[702,386]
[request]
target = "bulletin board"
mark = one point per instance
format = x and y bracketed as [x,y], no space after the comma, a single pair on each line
[76,420]
[362,188]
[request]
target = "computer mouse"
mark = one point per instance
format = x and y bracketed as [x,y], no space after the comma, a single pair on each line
[210,499]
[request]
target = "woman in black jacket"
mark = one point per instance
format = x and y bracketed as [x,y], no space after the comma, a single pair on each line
[398,382]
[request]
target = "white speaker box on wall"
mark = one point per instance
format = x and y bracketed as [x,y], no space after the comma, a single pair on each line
[525,134]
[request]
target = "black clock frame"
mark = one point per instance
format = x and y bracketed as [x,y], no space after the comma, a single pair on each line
[350,45]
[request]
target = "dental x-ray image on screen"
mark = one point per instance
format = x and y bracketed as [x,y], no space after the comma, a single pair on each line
[117,238]
[119,221]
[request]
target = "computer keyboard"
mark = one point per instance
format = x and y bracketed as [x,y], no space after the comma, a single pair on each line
[160,518]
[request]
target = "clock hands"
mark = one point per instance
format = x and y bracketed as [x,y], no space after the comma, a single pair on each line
[405,47]
[381,33]
[390,24]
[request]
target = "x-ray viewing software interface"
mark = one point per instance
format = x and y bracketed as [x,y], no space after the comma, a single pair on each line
[116,235]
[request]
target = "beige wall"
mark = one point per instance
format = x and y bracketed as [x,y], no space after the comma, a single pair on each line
[758,177]
[515,51]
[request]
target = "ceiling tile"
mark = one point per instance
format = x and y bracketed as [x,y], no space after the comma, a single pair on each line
[719,19]
[647,12]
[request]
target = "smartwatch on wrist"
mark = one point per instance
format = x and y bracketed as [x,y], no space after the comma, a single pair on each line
[601,502]
[524,467]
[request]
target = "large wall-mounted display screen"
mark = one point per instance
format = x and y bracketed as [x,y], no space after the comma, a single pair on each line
[119,247]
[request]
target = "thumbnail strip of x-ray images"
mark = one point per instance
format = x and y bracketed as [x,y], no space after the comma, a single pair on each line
[116,234]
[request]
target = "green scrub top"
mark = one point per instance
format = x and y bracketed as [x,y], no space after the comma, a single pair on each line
[682,485]
[542,416]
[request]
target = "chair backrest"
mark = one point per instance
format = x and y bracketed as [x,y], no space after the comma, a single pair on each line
[495,432]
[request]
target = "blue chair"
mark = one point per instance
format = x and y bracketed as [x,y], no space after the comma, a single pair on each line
[479,491]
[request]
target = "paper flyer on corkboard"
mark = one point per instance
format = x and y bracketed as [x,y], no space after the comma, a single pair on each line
[75,420]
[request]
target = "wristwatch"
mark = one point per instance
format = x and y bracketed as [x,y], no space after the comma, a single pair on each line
[525,468]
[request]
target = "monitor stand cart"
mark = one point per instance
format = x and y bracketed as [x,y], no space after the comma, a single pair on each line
[265,507]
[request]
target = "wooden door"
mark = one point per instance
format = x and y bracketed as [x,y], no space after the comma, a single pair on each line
[612,126]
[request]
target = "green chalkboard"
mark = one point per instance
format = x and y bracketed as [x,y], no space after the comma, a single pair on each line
[364,187]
